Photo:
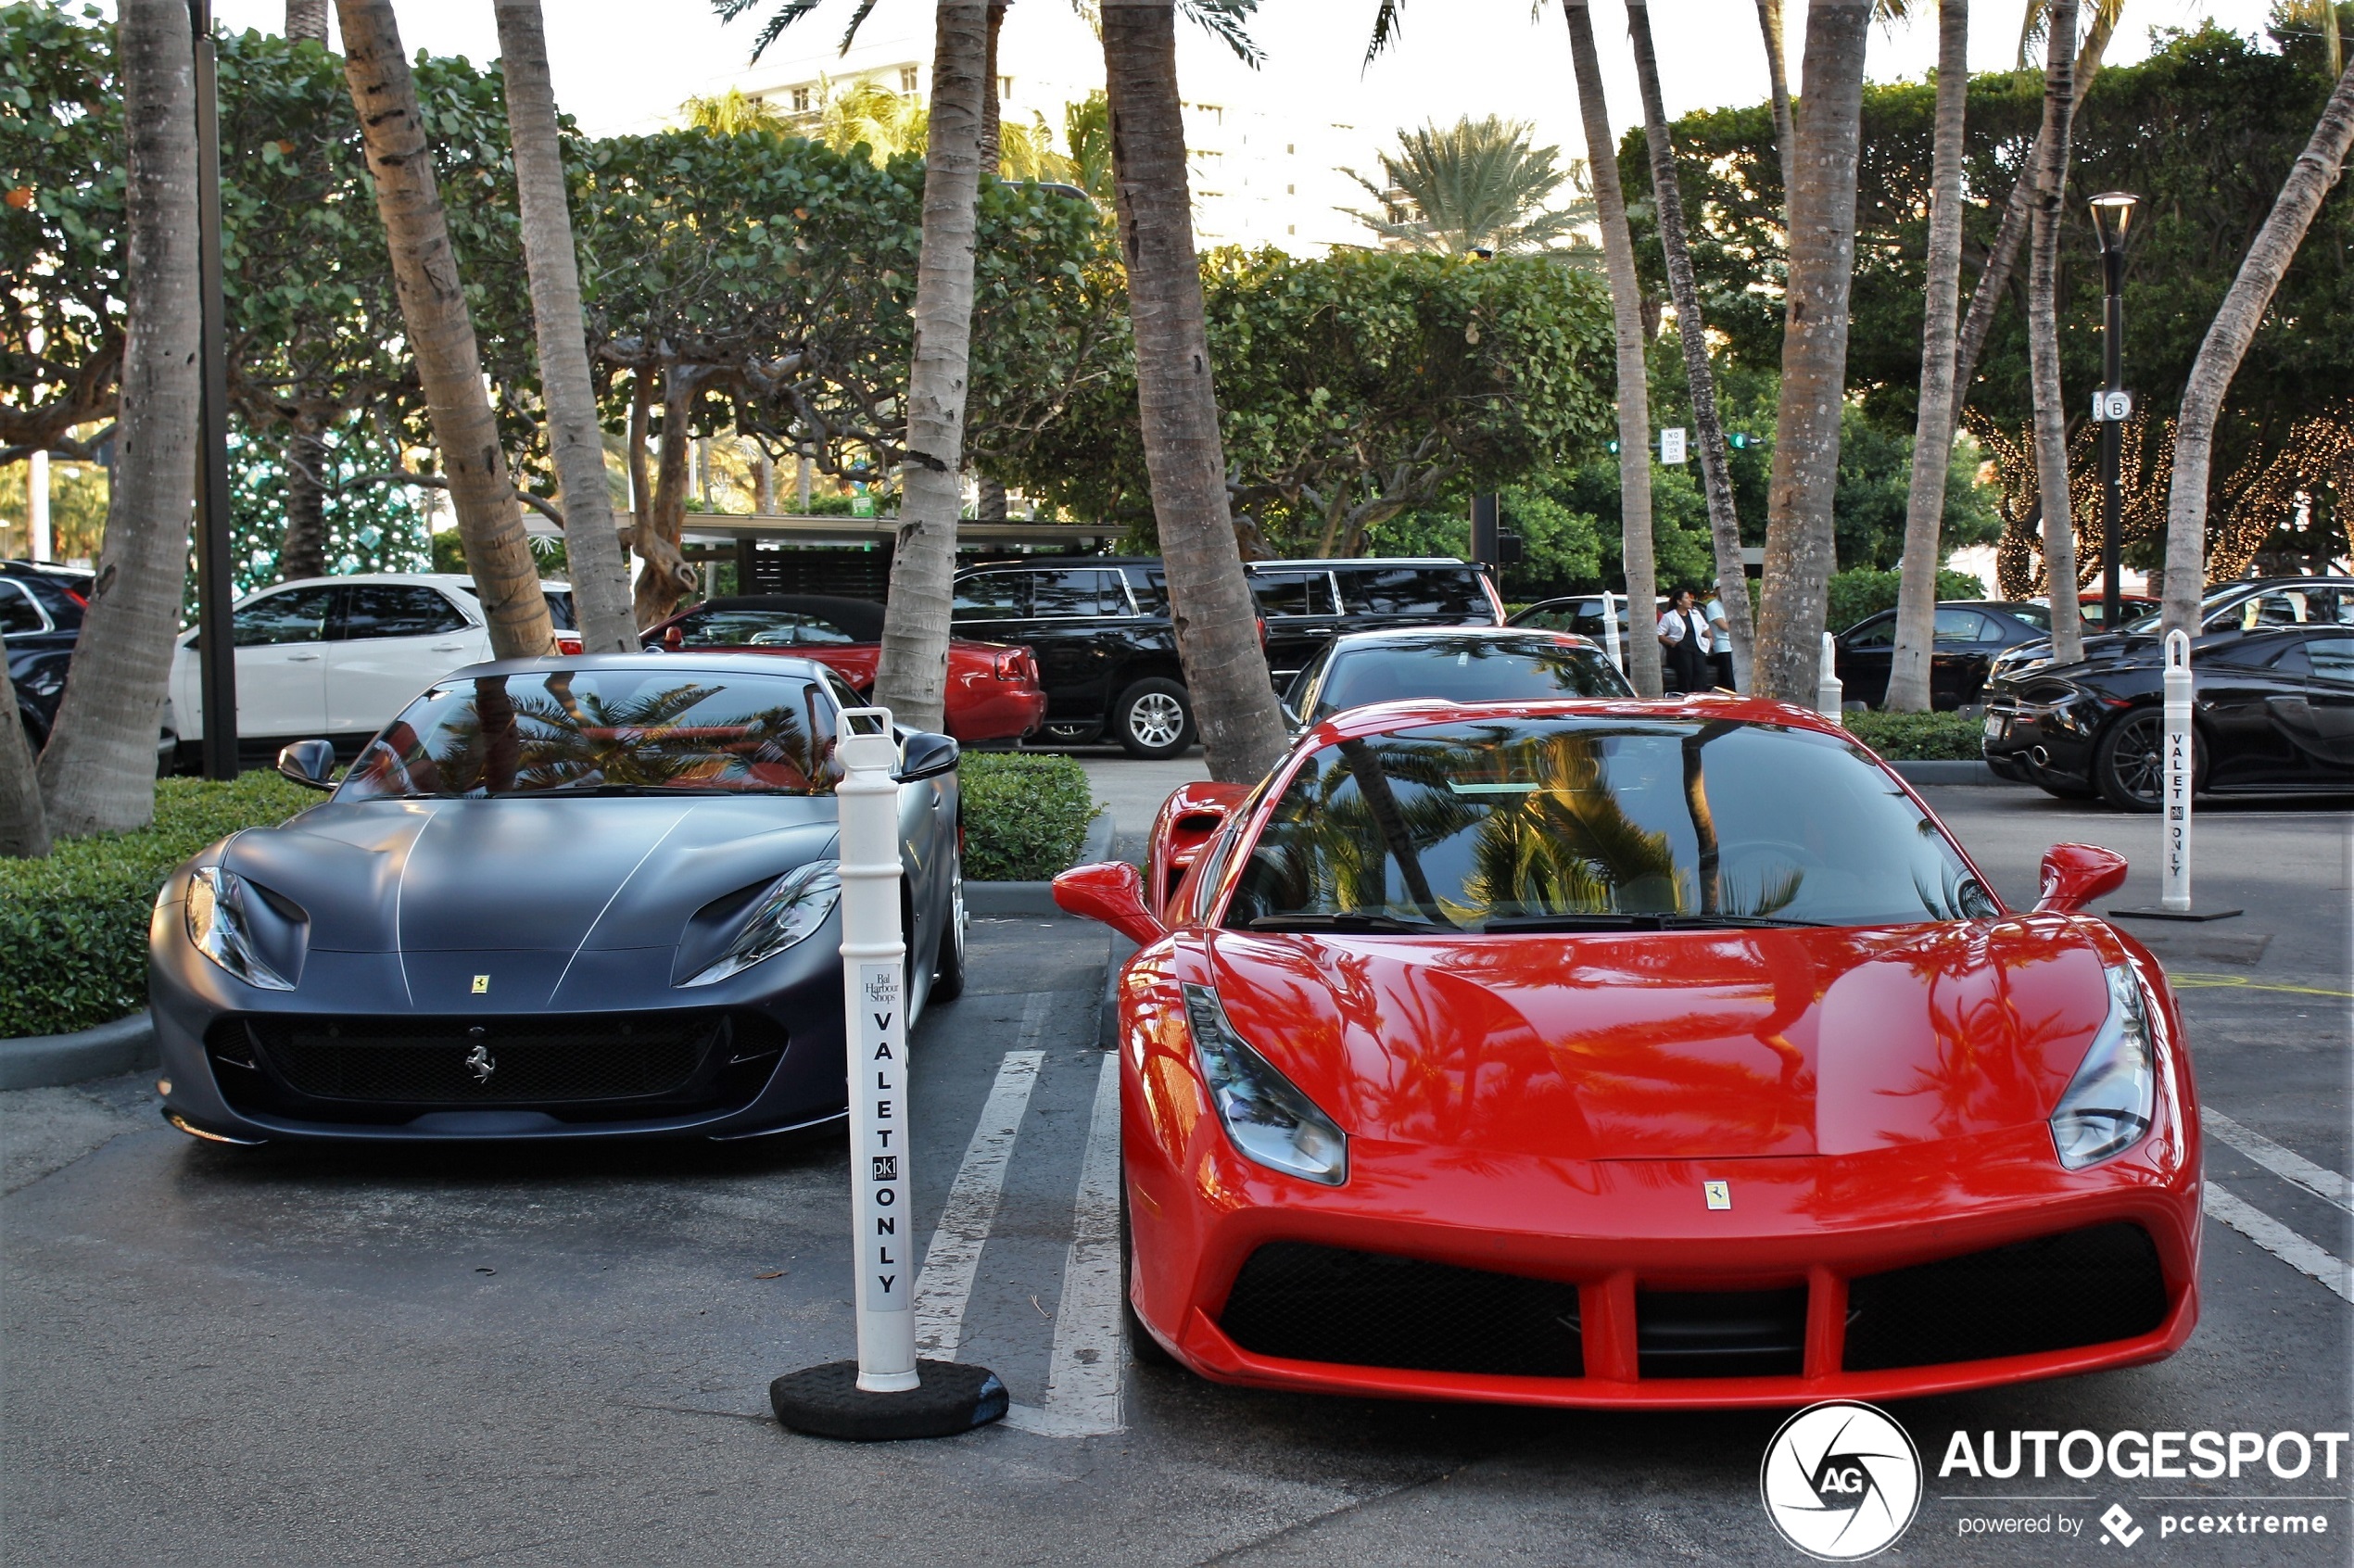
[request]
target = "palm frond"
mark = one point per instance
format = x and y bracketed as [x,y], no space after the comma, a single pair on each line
[1223,20]
[1386,23]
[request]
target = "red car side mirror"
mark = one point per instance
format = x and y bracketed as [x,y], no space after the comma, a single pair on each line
[1111,892]
[2074,875]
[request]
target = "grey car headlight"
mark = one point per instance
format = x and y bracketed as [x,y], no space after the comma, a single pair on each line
[1268,1119]
[2109,1103]
[220,925]
[795,904]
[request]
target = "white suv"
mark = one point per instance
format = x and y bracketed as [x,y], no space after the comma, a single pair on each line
[337,657]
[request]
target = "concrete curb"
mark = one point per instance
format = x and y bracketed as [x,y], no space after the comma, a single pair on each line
[46,1061]
[1946,773]
[1038,898]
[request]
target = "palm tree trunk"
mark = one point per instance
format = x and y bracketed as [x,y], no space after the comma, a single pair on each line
[2310,178]
[592,546]
[441,332]
[2042,334]
[1934,426]
[304,552]
[1769,22]
[98,771]
[308,19]
[1217,624]
[1799,544]
[24,828]
[989,495]
[1634,379]
[912,678]
[1691,331]
[665,577]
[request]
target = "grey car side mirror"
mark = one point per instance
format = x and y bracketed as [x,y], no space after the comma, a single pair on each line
[926,755]
[310,764]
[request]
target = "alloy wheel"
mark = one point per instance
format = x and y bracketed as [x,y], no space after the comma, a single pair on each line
[1156,719]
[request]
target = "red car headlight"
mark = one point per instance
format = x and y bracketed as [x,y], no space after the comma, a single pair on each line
[1265,1115]
[2110,1101]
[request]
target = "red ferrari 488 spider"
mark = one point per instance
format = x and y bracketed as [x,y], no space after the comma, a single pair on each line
[1609,1053]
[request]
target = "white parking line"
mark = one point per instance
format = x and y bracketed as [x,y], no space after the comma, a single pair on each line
[2279,1241]
[2287,1164]
[1082,1378]
[946,1281]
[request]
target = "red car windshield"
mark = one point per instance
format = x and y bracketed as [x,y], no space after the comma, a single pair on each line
[1580,823]
[603,732]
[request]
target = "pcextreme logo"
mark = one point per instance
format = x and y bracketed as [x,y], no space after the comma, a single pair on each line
[1841,1481]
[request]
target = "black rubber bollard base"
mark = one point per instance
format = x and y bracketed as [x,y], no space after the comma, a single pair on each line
[827,1402]
[2159,912]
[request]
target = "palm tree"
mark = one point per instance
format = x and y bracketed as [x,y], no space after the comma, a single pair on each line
[1177,402]
[1822,259]
[97,773]
[599,576]
[2310,178]
[1934,425]
[24,828]
[911,678]
[1724,522]
[308,19]
[303,552]
[734,112]
[1769,23]
[1474,186]
[441,332]
[2042,332]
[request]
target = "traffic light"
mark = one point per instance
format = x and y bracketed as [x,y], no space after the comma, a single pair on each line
[1613,447]
[1738,441]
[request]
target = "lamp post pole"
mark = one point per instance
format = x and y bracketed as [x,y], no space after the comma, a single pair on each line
[216,577]
[2112,213]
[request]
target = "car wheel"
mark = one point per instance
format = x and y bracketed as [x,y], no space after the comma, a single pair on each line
[948,978]
[1143,1348]
[1153,719]
[2129,762]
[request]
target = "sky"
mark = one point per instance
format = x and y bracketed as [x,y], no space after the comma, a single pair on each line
[626,65]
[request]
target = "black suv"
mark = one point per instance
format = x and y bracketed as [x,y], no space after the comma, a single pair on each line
[40,620]
[1107,653]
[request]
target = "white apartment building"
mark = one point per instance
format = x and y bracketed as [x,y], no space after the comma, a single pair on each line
[1260,176]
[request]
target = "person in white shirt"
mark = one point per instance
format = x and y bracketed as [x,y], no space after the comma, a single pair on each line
[1683,644]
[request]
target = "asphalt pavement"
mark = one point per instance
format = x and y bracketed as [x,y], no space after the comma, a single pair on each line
[224,1356]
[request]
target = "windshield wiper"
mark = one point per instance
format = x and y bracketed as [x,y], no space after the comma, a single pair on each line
[1632,920]
[1341,923]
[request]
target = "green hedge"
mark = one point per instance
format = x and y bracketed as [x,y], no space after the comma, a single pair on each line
[1919,737]
[73,928]
[1025,815]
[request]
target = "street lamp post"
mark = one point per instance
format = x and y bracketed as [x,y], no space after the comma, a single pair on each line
[2112,215]
[216,574]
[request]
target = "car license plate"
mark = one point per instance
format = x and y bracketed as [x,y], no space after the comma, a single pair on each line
[1996,724]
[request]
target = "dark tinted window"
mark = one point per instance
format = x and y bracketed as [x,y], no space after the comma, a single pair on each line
[1878,632]
[739,628]
[1074,593]
[560,612]
[296,615]
[1150,586]
[817,630]
[604,732]
[389,610]
[1461,825]
[992,596]
[1962,625]
[1293,593]
[2035,615]
[18,612]
[2332,659]
[1438,592]
[1521,669]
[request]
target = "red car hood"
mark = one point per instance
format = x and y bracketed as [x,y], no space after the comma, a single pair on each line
[1702,1044]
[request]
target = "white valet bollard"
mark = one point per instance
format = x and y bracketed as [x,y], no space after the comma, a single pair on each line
[2179,764]
[1828,692]
[1610,644]
[885,1393]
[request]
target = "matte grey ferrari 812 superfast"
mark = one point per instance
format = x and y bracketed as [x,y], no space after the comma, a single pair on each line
[555,898]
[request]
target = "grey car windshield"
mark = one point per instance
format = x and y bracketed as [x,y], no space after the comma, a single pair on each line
[1598,824]
[604,731]
[1463,669]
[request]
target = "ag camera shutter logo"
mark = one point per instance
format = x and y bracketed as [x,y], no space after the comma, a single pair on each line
[1841,1481]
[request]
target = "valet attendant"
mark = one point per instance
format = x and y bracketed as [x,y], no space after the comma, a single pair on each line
[1683,645]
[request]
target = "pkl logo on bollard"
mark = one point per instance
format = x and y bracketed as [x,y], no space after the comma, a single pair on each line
[2119,1526]
[1841,1481]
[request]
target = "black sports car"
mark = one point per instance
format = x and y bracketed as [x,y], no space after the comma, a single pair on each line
[1968,634]
[2246,604]
[2272,711]
[554,898]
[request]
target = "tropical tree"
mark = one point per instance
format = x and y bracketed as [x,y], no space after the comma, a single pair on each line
[1934,425]
[1474,186]
[1799,534]
[1724,522]
[2043,331]
[2310,178]
[440,330]
[1769,23]
[593,561]
[304,552]
[97,773]
[24,828]
[1216,619]
[308,19]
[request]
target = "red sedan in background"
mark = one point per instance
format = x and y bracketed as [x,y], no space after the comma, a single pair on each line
[1617,1054]
[992,688]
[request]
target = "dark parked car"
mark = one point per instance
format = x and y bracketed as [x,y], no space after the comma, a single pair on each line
[40,620]
[1107,655]
[2272,714]
[1970,634]
[2227,610]
[1450,663]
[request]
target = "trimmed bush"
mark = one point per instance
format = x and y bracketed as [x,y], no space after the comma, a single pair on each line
[1919,737]
[1026,815]
[1864,591]
[73,928]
